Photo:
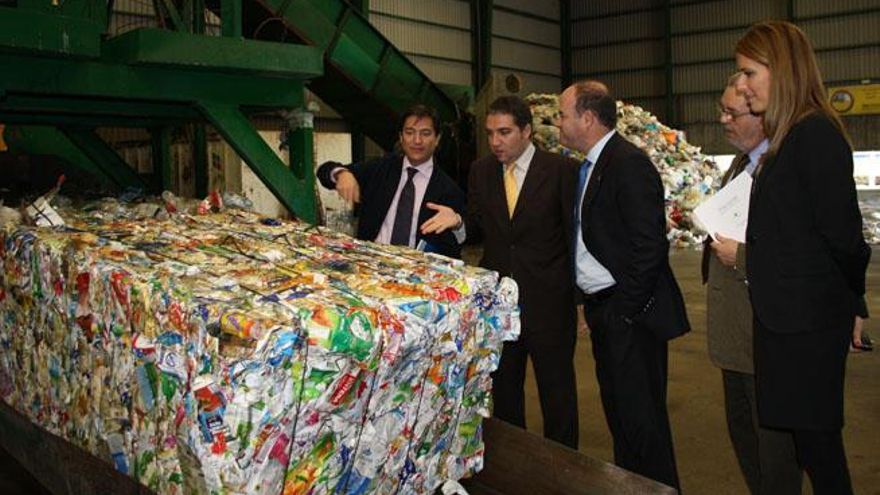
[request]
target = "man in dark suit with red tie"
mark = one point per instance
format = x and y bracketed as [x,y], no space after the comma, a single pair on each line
[519,206]
[632,302]
[399,196]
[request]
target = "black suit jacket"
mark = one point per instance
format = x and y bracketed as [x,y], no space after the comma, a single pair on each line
[807,254]
[378,182]
[533,246]
[624,228]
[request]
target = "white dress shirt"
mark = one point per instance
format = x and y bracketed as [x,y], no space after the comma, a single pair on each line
[590,275]
[420,181]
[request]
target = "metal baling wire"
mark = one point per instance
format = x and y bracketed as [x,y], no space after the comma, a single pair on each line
[357,443]
[416,420]
[302,388]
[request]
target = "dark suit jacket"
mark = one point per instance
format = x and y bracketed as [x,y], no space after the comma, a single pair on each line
[378,181]
[624,228]
[533,246]
[807,255]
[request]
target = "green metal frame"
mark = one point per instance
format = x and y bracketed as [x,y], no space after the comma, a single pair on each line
[156,79]
[367,80]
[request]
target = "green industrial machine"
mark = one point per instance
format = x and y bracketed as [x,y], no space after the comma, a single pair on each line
[366,79]
[61,78]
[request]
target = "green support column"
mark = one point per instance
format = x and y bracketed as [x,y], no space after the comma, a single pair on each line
[104,157]
[200,159]
[162,172]
[230,18]
[198,16]
[295,192]
[302,163]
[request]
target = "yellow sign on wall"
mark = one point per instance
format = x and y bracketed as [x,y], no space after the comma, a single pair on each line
[863,99]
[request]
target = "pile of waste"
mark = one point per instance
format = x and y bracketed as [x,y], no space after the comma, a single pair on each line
[207,350]
[688,175]
[870,207]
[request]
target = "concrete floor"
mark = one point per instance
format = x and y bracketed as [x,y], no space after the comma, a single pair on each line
[705,456]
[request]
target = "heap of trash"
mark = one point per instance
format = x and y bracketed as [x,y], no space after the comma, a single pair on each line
[688,175]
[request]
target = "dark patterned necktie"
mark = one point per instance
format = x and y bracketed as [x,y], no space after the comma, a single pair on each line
[403,218]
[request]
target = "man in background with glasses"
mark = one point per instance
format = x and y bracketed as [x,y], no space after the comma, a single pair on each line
[766,457]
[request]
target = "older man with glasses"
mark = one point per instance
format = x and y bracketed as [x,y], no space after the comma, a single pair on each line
[766,457]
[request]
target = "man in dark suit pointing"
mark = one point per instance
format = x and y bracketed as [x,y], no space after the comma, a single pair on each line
[399,195]
[632,302]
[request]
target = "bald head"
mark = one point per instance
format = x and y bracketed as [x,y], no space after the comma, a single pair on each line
[587,111]
[594,96]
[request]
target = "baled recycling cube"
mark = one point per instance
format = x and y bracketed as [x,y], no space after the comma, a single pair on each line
[228,354]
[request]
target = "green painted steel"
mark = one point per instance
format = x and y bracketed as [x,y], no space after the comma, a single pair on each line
[35,32]
[48,140]
[161,147]
[230,18]
[194,51]
[296,193]
[200,159]
[367,80]
[154,79]
[104,157]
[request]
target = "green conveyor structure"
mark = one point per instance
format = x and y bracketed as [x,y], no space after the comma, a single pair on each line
[366,79]
[62,77]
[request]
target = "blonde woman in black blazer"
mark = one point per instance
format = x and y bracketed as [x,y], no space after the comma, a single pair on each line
[807,255]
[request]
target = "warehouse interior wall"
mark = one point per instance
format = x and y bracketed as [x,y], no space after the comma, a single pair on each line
[673,57]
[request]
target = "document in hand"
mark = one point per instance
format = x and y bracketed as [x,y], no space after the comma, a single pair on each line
[727,212]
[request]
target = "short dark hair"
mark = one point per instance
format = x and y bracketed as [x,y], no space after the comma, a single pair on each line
[420,111]
[595,96]
[513,106]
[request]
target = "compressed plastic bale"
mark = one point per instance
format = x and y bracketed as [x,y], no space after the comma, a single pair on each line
[216,354]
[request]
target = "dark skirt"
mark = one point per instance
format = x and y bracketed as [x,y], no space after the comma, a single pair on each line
[799,377]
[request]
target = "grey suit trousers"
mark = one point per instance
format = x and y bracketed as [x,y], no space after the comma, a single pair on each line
[766,456]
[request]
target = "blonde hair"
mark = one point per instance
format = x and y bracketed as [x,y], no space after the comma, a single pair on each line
[796,87]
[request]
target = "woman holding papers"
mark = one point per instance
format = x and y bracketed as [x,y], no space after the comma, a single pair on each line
[807,256]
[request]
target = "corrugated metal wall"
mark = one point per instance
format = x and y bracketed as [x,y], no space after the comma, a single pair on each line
[526,40]
[624,43]
[434,34]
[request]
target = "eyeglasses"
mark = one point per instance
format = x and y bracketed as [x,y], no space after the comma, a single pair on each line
[727,113]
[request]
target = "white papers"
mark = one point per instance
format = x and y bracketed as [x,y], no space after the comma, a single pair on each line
[727,212]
